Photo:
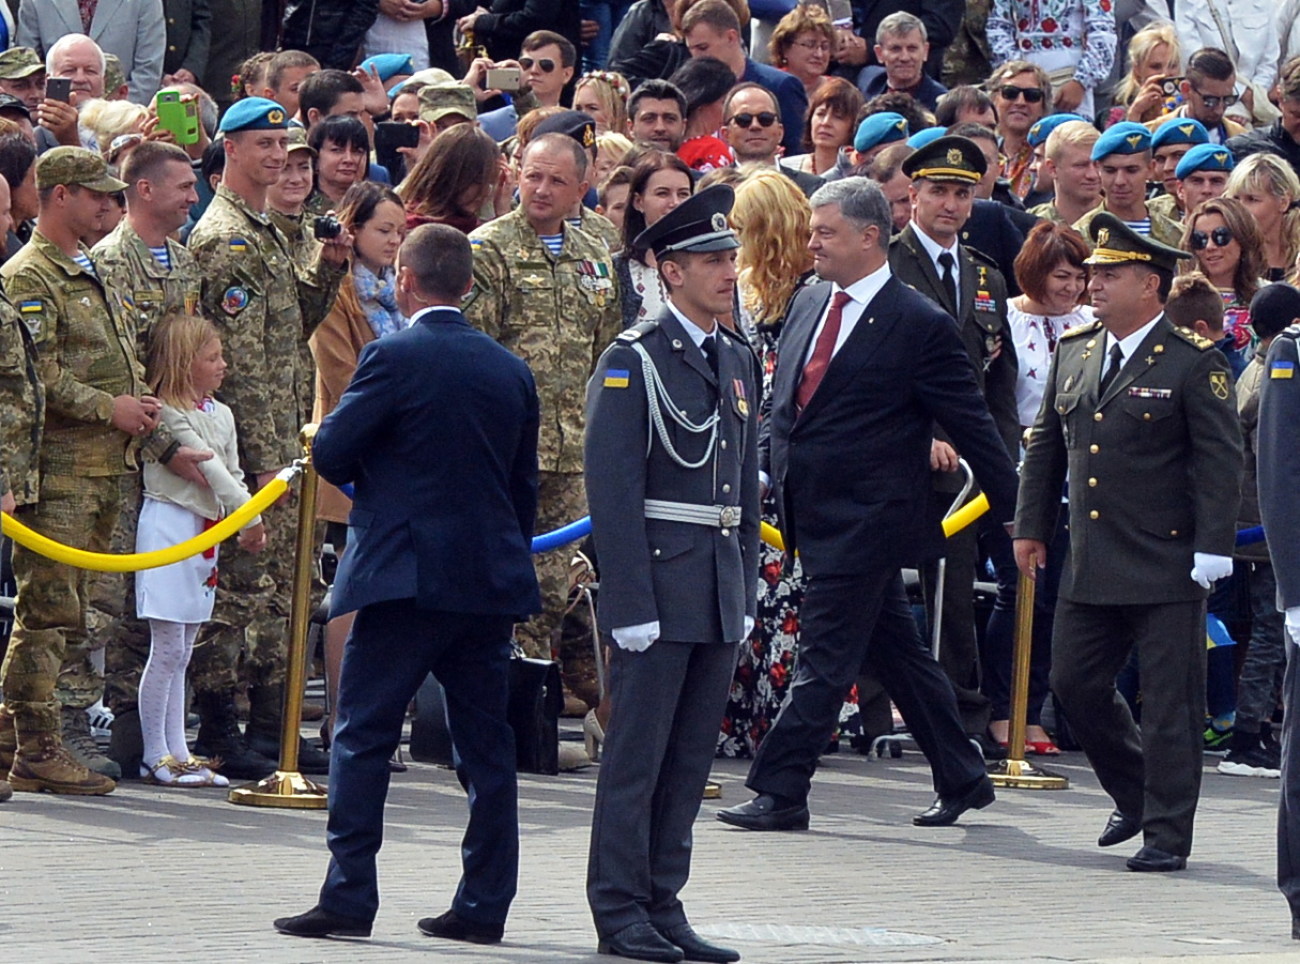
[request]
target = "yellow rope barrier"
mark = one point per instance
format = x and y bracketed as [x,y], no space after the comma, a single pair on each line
[959,520]
[130,562]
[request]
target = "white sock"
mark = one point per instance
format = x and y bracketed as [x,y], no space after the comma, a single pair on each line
[175,725]
[167,658]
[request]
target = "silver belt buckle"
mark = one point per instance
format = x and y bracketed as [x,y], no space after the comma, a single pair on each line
[729,516]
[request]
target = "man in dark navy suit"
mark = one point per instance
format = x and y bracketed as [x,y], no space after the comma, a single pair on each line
[438,435]
[866,367]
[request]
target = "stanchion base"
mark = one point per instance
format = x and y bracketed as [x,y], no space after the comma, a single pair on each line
[712,790]
[288,790]
[1021,775]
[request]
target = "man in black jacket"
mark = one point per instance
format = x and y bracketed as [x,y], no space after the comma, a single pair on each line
[1282,137]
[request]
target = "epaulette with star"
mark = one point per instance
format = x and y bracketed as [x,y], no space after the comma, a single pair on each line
[1075,332]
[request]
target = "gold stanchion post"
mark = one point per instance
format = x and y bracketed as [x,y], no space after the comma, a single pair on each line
[287,788]
[1014,771]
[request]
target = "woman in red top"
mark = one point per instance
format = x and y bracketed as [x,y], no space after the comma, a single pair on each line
[460,175]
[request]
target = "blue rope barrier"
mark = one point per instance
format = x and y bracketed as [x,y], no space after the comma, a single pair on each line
[1248,537]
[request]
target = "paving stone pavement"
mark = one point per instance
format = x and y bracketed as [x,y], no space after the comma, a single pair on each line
[150,874]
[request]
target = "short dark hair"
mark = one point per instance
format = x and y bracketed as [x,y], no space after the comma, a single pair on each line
[1210,63]
[702,81]
[148,159]
[918,118]
[17,155]
[634,220]
[1166,280]
[541,38]
[884,167]
[655,89]
[1048,244]
[322,90]
[213,163]
[717,14]
[339,129]
[965,97]
[1194,299]
[561,143]
[844,100]
[286,60]
[973,132]
[740,89]
[440,258]
[358,203]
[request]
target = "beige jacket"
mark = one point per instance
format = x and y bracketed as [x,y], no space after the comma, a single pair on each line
[209,432]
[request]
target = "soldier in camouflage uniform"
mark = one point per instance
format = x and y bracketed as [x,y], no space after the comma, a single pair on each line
[266,308]
[156,277]
[95,410]
[557,309]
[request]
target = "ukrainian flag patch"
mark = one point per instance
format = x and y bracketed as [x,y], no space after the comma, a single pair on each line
[1281,369]
[29,307]
[238,244]
[616,378]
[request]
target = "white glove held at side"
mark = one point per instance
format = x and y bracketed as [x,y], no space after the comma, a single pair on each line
[749,627]
[637,639]
[1208,569]
[1293,624]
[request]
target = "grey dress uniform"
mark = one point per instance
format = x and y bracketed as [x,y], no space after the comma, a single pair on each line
[668,438]
[1155,466]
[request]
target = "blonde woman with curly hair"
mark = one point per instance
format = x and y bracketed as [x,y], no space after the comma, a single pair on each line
[771,216]
[1269,189]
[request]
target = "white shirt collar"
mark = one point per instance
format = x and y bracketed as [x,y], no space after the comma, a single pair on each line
[933,248]
[868,286]
[698,335]
[1129,343]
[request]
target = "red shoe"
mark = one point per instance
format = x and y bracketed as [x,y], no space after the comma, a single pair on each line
[1044,748]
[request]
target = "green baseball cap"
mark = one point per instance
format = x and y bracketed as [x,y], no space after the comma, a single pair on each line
[76,165]
[19,62]
[439,100]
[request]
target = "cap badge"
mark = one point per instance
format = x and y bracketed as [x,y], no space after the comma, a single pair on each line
[1103,236]
[1133,140]
[1186,129]
[901,125]
[954,155]
[718,221]
[275,116]
[588,136]
[1221,157]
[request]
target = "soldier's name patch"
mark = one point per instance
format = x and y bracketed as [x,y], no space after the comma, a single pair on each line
[234,300]
[616,378]
[1141,391]
[1282,369]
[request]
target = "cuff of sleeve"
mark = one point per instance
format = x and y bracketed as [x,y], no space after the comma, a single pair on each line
[104,408]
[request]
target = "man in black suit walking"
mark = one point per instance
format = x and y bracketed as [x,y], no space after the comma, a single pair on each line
[866,367]
[438,434]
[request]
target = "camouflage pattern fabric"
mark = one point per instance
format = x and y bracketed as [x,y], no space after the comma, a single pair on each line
[561,498]
[22,408]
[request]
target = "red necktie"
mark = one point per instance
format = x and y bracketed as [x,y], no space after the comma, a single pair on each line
[815,370]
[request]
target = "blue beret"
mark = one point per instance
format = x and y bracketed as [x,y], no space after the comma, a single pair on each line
[254,114]
[1179,130]
[927,136]
[1125,137]
[1205,157]
[388,65]
[1039,133]
[880,129]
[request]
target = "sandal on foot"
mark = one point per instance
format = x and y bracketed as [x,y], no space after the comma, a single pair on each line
[205,768]
[170,772]
[1042,747]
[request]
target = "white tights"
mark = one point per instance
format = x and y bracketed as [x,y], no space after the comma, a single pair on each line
[162,690]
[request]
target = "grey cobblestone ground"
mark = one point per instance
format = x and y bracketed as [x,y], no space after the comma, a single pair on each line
[154,875]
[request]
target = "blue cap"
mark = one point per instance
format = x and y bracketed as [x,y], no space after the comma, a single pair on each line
[1205,157]
[926,136]
[1126,137]
[1179,130]
[882,128]
[254,114]
[1039,133]
[388,65]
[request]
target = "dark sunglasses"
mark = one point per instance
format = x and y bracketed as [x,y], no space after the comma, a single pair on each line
[1212,102]
[765,119]
[546,63]
[1032,95]
[1222,237]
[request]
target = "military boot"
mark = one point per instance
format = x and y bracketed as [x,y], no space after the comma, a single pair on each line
[8,744]
[81,746]
[43,764]
[126,742]
[264,715]
[221,741]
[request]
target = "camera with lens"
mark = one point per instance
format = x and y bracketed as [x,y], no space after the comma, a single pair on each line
[327,226]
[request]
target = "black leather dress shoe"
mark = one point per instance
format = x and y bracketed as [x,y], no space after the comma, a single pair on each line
[640,942]
[696,948]
[1118,829]
[1151,860]
[765,812]
[321,923]
[944,812]
[455,928]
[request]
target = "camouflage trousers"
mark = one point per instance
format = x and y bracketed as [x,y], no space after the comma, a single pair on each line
[112,617]
[50,612]
[561,499]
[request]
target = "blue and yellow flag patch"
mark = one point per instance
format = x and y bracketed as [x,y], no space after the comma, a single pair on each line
[28,307]
[238,244]
[1281,369]
[616,378]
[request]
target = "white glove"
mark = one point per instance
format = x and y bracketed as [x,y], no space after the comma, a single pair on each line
[1293,624]
[1208,569]
[637,639]
[749,627]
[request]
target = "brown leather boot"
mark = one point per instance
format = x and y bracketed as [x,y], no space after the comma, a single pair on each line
[42,764]
[8,745]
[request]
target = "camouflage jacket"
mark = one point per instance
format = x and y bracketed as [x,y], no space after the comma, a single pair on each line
[1162,229]
[85,342]
[556,313]
[150,291]
[22,408]
[266,308]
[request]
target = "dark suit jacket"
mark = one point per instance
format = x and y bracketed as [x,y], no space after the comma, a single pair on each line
[1155,466]
[790,96]
[998,231]
[438,434]
[808,183]
[852,471]
[503,28]
[1279,462]
[942,19]
[189,34]
[873,82]
[697,581]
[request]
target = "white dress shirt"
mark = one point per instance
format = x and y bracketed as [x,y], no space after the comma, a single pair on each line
[1129,343]
[860,292]
[698,334]
[933,248]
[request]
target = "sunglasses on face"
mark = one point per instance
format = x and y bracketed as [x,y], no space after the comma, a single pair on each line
[1222,237]
[1212,102]
[765,119]
[546,63]
[1032,95]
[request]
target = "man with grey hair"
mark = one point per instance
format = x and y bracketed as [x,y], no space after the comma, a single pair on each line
[79,59]
[134,31]
[867,367]
[902,46]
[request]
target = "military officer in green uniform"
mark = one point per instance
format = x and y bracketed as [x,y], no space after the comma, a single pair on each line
[1141,416]
[265,307]
[546,290]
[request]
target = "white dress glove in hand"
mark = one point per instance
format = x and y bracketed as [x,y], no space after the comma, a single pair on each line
[1208,569]
[637,639]
[749,628]
[1293,624]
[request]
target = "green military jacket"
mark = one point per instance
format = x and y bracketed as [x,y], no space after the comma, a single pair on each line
[556,313]
[602,228]
[1162,229]
[150,291]
[85,340]
[22,408]
[304,248]
[1166,205]
[1154,465]
[266,308]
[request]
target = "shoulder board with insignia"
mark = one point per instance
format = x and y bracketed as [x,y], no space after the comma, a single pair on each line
[636,331]
[982,258]
[1083,330]
[1200,341]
